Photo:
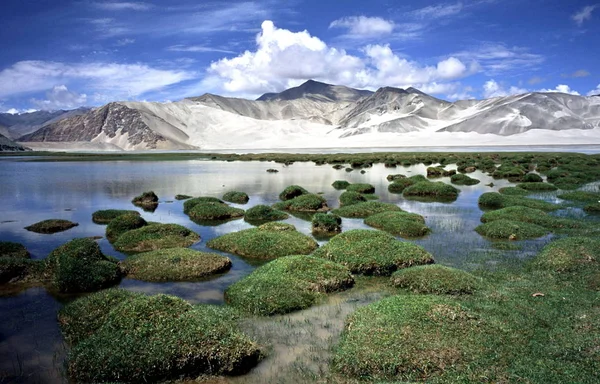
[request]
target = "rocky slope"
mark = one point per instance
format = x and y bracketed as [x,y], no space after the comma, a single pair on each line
[7,145]
[14,126]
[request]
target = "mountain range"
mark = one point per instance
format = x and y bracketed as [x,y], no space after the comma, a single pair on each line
[314,115]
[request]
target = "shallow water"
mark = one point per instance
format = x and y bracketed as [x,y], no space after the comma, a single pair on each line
[31,346]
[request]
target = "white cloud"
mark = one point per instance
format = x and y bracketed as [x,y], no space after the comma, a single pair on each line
[124,42]
[196,48]
[493,89]
[121,6]
[437,11]
[594,92]
[61,98]
[496,58]
[583,14]
[14,111]
[578,73]
[362,26]
[118,80]
[561,88]
[284,58]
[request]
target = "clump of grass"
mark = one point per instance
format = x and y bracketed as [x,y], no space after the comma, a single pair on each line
[105,216]
[531,215]
[303,203]
[269,241]
[340,184]
[569,254]
[581,196]
[372,252]
[350,198]
[80,266]
[174,264]
[20,269]
[148,200]
[399,185]
[395,177]
[13,250]
[121,224]
[326,224]
[439,172]
[399,223]
[537,186]
[462,179]
[532,178]
[494,200]
[432,189]
[271,170]
[155,236]
[287,284]
[436,279]
[361,188]
[408,338]
[291,192]
[514,191]
[263,213]
[183,197]
[191,203]
[51,226]
[214,211]
[236,197]
[592,208]
[366,209]
[139,338]
[511,230]
[510,172]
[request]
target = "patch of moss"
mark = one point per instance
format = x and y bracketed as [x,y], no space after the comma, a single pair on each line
[105,216]
[214,211]
[269,241]
[304,203]
[174,264]
[263,213]
[513,191]
[361,188]
[191,203]
[291,192]
[372,252]
[462,179]
[366,209]
[395,177]
[13,250]
[494,200]
[399,223]
[236,197]
[326,224]
[287,284]
[436,279]
[399,185]
[569,254]
[581,196]
[183,197]
[80,266]
[147,200]
[121,224]
[531,215]
[155,236]
[433,172]
[592,208]
[511,230]
[532,178]
[510,172]
[535,186]
[350,198]
[340,184]
[432,190]
[140,338]
[20,269]
[51,226]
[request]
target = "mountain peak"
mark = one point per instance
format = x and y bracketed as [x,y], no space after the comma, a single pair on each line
[317,91]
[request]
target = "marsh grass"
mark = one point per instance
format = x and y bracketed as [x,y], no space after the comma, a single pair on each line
[183,197]
[291,192]
[214,211]
[326,224]
[513,191]
[593,209]
[260,214]
[436,279]
[350,198]
[121,224]
[365,209]
[303,203]
[105,216]
[511,230]
[537,186]
[191,203]
[363,188]
[13,250]
[51,226]
[580,196]
[155,236]
[21,270]
[340,184]
[399,223]
[494,200]
[236,197]
[533,216]
[431,190]
[462,179]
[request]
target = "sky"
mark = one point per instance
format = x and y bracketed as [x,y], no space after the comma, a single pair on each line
[63,54]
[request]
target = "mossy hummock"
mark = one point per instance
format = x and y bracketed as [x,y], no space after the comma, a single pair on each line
[13,250]
[537,187]
[366,209]
[291,192]
[51,226]
[236,197]
[288,284]
[514,191]
[462,179]
[494,200]
[105,216]
[121,224]
[214,211]
[20,269]
[569,254]
[303,203]
[372,252]
[340,184]
[269,241]
[155,236]
[146,200]
[432,189]
[191,203]
[511,230]
[262,213]
[326,224]
[399,223]
[361,188]
[531,215]
[349,198]
[436,279]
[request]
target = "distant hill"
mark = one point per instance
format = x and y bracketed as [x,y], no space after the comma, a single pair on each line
[317,91]
[7,145]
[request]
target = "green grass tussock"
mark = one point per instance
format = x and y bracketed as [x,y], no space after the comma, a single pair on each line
[183,197]
[432,189]
[592,208]
[350,198]
[433,172]
[263,213]
[51,226]
[174,264]
[514,191]
[19,269]
[236,197]
[291,192]
[436,279]
[462,179]
[494,200]
[105,216]
[531,215]
[13,250]
[155,236]
[147,200]
[372,252]
[288,284]
[366,209]
[269,241]
[581,196]
[537,186]
[214,211]
[191,203]
[326,224]
[399,185]
[395,177]
[361,188]
[340,184]
[399,223]
[511,230]
[121,224]
[303,203]
[569,254]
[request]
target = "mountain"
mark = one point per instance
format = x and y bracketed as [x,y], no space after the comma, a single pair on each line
[317,115]
[14,126]
[9,145]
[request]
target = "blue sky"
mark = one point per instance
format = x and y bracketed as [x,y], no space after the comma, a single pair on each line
[60,54]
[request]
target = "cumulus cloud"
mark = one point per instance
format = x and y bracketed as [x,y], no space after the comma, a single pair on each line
[583,14]
[284,58]
[561,88]
[362,26]
[491,88]
[59,97]
[594,92]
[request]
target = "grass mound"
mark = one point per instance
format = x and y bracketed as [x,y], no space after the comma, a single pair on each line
[121,224]
[80,266]
[13,250]
[361,188]
[432,189]
[340,184]
[532,178]
[20,269]
[569,254]
[592,208]
[436,279]
[494,200]
[407,338]
[530,215]
[537,186]
[183,197]
[513,191]
[439,172]
[236,197]
[191,203]
[174,264]
[148,200]
[176,339]
[51,226]
[511,230]
[399,185]
[350,198]
[304,203]
[462,179]
[366,209]
[326,224]
[395,177]
[214,211]
[264,213]
[399,223]
[372,252]
[287,284]
[581,196]
[105,216]
[269,241]
[155,236]
[291,192]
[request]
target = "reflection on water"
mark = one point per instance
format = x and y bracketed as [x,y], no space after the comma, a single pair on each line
[30,341]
